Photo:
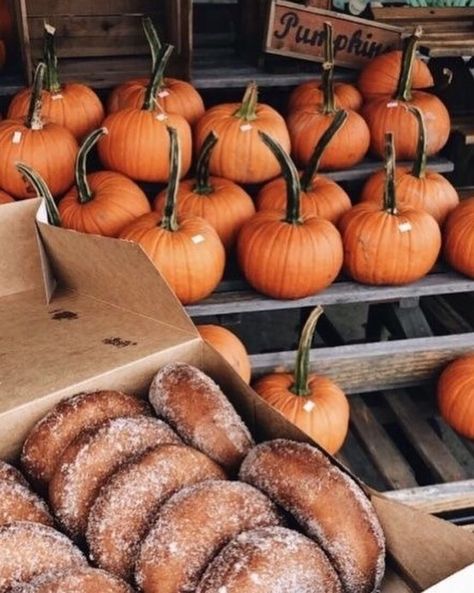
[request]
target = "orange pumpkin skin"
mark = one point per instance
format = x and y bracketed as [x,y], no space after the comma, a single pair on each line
[456,395]
[229,347]
[309,94]
[459,238]
[327,422]
[5,198]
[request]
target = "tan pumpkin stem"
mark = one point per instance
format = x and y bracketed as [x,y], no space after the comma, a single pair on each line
[389,195]
[403,92]
[153,40]
[83,189]
[203,186]
[157,77]
[300,386]
[169,220]
[42,191]
[33,119]
[327,83]
[51,82]
[247,110]
[419,166]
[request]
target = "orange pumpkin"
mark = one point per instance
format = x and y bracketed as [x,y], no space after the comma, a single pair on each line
[389,113]
[459,238]
[307,125]
[311,93]
[389,244]
[172,95]
[187,251]
[419,188]
[137,144]
[221,202]
[229,347]
[320,196]
[5,198]
[239,154]
[315,404]
[48,148]
[7,22]
[292,256]
[456,395]
[103,202]
[73,106]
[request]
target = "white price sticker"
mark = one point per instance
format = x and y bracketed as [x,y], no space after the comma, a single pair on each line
[57,97]
[50,29]
[197,239]
[16,137]
[392,104]
[404,227]
[245,127]
[163,94]
[309,406]
[161,117]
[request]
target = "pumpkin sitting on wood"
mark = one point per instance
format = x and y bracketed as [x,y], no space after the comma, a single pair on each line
[456,395]
[459,238]
[229,347]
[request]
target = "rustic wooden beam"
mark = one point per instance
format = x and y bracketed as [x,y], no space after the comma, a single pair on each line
[437,498]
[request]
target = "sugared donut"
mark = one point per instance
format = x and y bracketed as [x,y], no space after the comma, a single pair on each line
[200,413]
[192,527]
[51,435]
[8,473]
[79,580]
[30,549]
[271,559]
[19,503]
[92,458]
[328,504]
[129,501]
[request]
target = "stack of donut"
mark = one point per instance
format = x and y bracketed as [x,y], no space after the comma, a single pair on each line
[179,503]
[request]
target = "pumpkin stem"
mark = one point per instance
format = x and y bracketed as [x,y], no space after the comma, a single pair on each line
[389,196]
[313,165]
[83,189]
[169,220]
[291,176]
[403,92]
[33,119]
[157,77]
[247,110]
[419,166]
[153,40]
[42,191]
[203,185]
[50,58]
[327,83]
[300,386]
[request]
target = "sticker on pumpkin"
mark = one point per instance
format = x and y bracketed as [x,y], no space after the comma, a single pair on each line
[57,97]
[404,227]
[197,239]
[163,94]
[309,406]
[16,137]
[245,127]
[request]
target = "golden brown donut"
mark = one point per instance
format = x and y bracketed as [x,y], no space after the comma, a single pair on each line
[8,473]
[129,501]
[273,559]
[19,503]
[78,580]
[328,504]
[51,435]
[200,413]
[192,527]
[92,458]
[30,549]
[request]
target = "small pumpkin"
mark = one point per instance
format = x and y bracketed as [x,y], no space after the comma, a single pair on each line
[5,198]
[311,93]
[103,202]
[389,244]
[389,113]
[320,195]
[419,188]
[288,256]
[72,105]
[314,403]
[239,154]
[456,395]
[137,144]
[459,238]
[229,347]
[224,204]
[187,251]
[48,148]
[307,125]
[172,95]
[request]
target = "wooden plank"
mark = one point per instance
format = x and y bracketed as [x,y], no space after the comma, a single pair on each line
[456,445]
[414,15]
[442,316]
[437,498]
[422,437]
[380,448]
[358,463]
[47,8]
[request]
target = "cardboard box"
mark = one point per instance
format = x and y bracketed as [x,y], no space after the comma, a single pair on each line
[81,312]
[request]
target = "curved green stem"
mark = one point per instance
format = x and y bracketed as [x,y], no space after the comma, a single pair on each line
[83,189]
[203,186]
[300,386]
[403,92]
[291,176]
[169,220]
[313,164]
[247,111]
[42,191]
[153,40]
[157,77]
[419,166]
[327,83]
[33,119]
[51,81]
[389,195]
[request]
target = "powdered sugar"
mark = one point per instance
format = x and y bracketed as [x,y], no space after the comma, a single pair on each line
[19,503]
[78,580]
[8,473]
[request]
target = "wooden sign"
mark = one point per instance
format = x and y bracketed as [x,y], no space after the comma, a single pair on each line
[297,31]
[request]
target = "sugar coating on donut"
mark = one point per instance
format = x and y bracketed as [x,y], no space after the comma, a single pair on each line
[92,458]
[201,414]
[192,527]
[19,503]
[327,503]
[77,580]
[272,559]
[53,433]
[30,549]
[128,502]
[8,473]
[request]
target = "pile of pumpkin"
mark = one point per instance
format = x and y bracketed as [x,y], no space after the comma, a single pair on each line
[305,228]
